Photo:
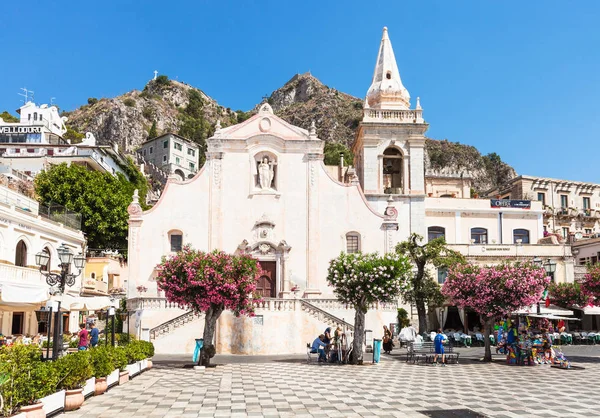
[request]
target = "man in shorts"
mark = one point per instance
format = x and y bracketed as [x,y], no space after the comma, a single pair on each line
[438,343]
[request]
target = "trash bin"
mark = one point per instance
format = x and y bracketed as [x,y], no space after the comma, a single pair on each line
[199,345]
[376,350]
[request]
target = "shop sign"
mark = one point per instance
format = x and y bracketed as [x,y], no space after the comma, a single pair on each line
[509,203]
[20,129]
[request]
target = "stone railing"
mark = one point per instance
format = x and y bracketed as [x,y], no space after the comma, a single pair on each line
[334,304]
[325,316]
[276,305]
[94,286]
[150,303]
[21,274]
[580,272]
[398,116]
[170,326]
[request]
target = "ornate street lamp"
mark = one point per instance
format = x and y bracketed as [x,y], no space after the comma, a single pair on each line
[62,279]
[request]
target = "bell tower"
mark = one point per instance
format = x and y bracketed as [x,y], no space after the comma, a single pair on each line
[390,141]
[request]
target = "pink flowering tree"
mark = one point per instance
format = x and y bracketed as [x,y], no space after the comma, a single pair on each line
[363,279]
[590,285]
[494,291]
[209,283]
[568,295]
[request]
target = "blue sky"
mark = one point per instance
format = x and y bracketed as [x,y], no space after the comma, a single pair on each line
[520,78]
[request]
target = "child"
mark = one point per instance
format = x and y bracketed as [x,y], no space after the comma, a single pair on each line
[438,343]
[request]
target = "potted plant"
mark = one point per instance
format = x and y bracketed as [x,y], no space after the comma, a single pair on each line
[26,380]
[120,363]
[73,372]
[149,353]
[102,364]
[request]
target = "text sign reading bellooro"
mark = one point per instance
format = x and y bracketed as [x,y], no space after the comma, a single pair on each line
[20,129]
[508,203]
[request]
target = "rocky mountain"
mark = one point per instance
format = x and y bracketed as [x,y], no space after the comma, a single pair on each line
[172,106]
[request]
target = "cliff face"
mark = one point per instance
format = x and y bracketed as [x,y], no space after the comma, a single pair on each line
[127,119]
[180,108]
[304,99]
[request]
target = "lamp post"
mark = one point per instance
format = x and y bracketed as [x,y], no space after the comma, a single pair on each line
[59,281]
[550,268]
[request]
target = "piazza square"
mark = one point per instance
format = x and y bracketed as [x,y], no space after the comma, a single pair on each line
[321,253]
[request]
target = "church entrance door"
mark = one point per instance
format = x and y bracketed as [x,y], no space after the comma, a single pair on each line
[266,282]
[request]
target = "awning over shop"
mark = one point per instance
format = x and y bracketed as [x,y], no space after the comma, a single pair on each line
[591,310]
[81,303]
[557,317]
[550,310]
[22,294]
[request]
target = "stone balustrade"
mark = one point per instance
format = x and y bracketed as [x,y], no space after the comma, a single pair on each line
[398,116]
[275,305]
[21,274]
[150,303]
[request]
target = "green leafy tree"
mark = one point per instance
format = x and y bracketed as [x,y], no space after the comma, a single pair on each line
[403,320]
[194,126]
[7,117]
[73,135]
[152,133]
[242,116]
[363,279]
[332,153]
[92,101]
[423,290]
[100,198]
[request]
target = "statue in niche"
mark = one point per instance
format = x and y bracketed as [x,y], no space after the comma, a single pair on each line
[266,173]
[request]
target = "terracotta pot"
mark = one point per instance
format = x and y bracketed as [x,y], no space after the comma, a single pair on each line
[34,411]
[149,364]
[123,377]
[101,386]
[74,399]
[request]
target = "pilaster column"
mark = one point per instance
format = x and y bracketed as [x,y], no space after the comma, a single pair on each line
[312,242]
[133,247]
[457,228]
[215,227]
[417,173]
[405,175]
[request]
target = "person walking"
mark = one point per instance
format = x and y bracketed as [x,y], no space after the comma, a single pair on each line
[94,335]
[438,343]
[388,344]
[84,338]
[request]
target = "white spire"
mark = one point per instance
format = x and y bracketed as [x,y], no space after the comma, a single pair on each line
[387,91]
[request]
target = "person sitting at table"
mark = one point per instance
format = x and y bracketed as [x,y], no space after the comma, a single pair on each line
[318,346]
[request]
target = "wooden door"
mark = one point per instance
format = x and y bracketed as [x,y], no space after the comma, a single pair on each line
[266,283]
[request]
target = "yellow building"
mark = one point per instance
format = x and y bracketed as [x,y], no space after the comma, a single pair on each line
[103,273]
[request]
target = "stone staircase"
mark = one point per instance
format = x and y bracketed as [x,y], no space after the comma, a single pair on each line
[324,316]
[171,325]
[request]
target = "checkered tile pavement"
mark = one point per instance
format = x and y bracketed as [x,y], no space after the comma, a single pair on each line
[392,388]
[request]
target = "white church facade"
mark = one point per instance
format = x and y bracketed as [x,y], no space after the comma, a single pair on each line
[265,190]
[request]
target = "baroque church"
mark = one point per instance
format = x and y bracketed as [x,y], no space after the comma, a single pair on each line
[265,190]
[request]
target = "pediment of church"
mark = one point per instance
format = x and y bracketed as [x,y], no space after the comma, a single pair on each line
[265,122]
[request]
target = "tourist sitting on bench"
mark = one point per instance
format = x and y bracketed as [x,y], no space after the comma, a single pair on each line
[318,346]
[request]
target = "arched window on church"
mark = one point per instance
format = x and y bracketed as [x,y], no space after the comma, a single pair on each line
[392,171]
[352,242]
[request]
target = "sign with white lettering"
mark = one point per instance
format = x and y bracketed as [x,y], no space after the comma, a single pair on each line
[509,203]
[20,129]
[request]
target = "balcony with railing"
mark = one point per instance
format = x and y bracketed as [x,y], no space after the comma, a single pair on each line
[21,274]
[396,116]
[94,287]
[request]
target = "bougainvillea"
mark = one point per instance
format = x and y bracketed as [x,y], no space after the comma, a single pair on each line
[209,283]
[568,295]
[494,291]
[362,279]
[590,285]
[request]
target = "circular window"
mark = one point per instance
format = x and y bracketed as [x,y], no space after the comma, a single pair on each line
[388,75]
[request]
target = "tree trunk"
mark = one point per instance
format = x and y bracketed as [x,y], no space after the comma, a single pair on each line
[359,336]
[422,315]
[419,301]
[210,323]
[486,338]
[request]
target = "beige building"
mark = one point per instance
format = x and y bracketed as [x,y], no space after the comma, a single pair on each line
[571,208]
